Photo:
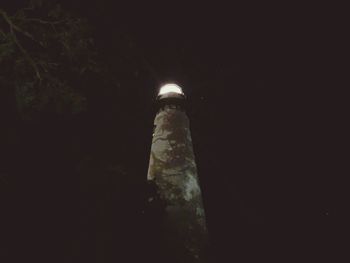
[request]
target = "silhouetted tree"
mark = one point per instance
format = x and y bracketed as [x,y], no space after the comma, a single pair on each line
[70,191]
[45,55]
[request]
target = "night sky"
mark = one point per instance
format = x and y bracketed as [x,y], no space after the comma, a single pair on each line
[257,78]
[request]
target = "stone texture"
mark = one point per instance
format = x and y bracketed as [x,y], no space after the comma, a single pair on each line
[173,169]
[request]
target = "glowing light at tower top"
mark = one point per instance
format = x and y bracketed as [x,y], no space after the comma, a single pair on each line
[170,88]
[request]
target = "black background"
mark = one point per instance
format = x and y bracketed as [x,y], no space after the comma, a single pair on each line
[266,127]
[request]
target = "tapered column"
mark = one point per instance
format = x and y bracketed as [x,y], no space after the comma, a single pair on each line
[173,169]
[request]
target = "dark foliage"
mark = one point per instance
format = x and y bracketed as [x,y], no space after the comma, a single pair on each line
[70,189]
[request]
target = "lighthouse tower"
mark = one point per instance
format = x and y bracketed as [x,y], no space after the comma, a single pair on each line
[172,168]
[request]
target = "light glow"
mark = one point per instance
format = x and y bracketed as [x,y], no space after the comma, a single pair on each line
[170,88]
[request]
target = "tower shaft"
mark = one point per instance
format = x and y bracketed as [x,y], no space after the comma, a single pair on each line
[173,169]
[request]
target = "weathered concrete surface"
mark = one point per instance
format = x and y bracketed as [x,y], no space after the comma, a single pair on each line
[173,169]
